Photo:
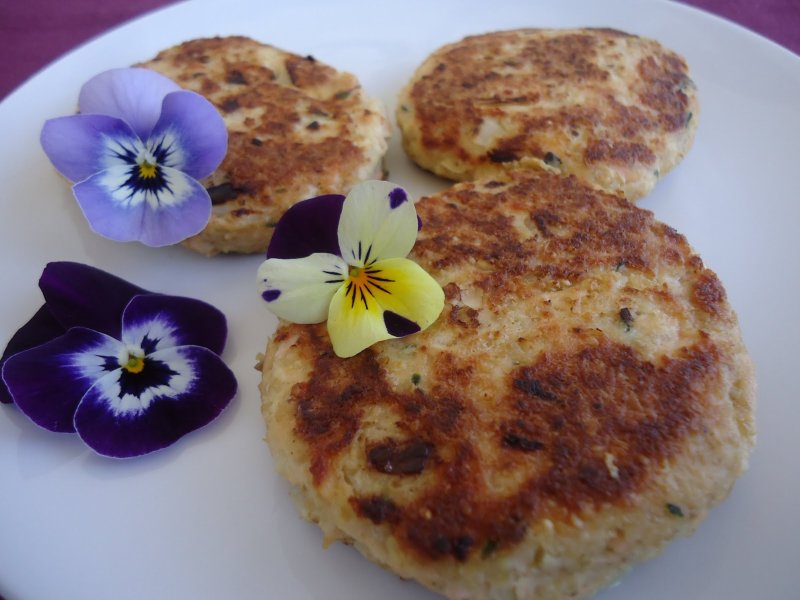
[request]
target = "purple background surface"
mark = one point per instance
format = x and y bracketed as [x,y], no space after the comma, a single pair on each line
[33,33]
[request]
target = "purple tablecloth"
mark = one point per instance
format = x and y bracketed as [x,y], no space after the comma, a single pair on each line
[33,33]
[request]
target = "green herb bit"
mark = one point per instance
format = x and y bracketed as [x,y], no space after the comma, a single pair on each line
[489,549]
[689,116]
[552,160]
[686,84]
[674,510]
[626,316]
[416,378]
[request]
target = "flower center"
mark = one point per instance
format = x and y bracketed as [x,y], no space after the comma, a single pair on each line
[135,364]
[132,360]
[364,283]
[358,275]
[147,170]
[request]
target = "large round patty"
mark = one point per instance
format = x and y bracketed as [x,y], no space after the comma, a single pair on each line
[584,397]
[615,109]
[297,129]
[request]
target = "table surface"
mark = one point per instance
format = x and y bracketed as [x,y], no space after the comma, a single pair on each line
[34,33]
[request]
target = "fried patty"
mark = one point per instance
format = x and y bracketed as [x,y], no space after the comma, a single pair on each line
[584,398]
[297,128]
[615,109]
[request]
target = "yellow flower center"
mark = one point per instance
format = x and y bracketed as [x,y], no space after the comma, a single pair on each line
[147,170]
[363,284]
[135,364]
[358,276]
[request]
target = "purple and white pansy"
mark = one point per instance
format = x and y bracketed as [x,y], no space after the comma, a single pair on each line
[135,154]
[130,371]
[344,259]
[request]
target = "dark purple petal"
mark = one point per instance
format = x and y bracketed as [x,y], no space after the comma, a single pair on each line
[78,146]
[199,132]
[397,325]
[132,94]
[42,327]
[308,227]
[189,321]
[47,382]
[397,196]
[270,295]
[110,429]
[80,295]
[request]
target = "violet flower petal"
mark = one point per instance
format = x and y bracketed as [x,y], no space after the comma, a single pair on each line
[116,219]
[179,209]
[179,216]
[199,387]
[131,94]
[42,327]
[47,382]
[81,145]
[308,227]
[191,123]
[80,295]
[158,322]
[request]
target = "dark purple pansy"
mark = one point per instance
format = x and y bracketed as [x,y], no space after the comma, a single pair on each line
[80,295]
[153,378]
[42,327]
[67,304]
[307,227]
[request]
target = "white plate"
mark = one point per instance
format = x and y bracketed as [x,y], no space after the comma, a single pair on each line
[209,518]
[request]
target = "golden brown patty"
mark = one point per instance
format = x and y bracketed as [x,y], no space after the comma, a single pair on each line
[297,128]
[584,398]
[615,109]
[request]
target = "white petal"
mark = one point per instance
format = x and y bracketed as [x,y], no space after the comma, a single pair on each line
[378,221]
[152,335]
[121,151]
[166,150]
[92,362]
[119,183]
[300,289]
[181,376]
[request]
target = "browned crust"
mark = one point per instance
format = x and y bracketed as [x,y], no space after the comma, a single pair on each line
[269,166]
[564,408]
[574,120]
[557,416]
[576,233]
